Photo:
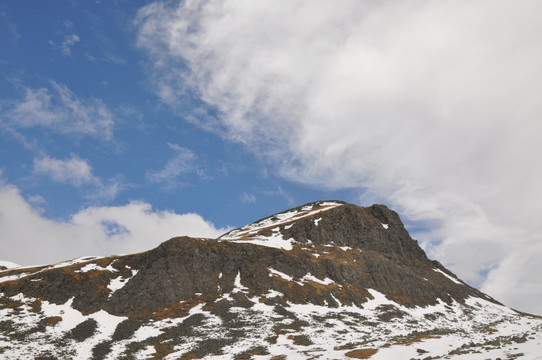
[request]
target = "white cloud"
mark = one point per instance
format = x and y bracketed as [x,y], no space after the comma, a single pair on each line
[74,171]
[432,106]
[59,109]
[105,191]
[248,198]
[69,41]
[78,172]
[184,161]
[30,238]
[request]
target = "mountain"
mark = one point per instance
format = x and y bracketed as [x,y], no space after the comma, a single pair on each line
[326,280]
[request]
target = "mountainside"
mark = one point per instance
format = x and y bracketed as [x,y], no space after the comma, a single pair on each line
[327,280]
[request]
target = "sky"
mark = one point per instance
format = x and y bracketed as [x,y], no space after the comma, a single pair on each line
[125,123]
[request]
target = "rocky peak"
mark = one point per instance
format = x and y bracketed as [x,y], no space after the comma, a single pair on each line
[334,223]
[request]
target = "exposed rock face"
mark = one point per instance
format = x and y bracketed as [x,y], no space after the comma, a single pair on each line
[323,255]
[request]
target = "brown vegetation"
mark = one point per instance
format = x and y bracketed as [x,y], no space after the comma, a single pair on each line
[52,321]
[177,310]
[36,305]
[361,353]
[418,338]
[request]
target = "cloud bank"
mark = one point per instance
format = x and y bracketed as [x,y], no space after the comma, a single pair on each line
[431,106]
[99,231]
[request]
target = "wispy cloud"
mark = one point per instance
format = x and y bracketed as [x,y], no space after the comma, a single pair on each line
[280,192]
[183,162]
[115,59]
[13,30]
[74,171]
[57,108]
[36,199]
[78,172]
[69,41]
[248,198]
[438,114]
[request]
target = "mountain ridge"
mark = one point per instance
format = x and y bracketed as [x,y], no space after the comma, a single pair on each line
[267,288]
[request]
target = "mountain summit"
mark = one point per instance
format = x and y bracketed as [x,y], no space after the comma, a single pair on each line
[326,280]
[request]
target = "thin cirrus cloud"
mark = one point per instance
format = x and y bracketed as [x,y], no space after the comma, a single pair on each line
[182,162]
[57,108]
[431,106]
[93,231]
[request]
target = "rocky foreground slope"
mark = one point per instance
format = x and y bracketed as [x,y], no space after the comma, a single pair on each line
[326,280]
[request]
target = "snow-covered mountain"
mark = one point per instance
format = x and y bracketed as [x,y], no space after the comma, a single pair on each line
[327,280]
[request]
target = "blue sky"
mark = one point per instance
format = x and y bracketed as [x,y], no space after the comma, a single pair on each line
[125,123]
[89,51]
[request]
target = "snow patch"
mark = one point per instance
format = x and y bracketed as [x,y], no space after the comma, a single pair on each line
[96,267]
[377,300]
[304,279]
[309,277]
[14,277]
[237,286]
[72,262]
[8,265]
[281,274]
[107,324]
[272,294]
[276,220]
[119,282]
[488,306]
[146,352]
[70,316]
[448,276]
[275,240]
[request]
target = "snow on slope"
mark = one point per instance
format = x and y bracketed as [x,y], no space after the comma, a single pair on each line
[249,233]
[476,330]
[36,269]
[448,276]
[62,318]
[8,264]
